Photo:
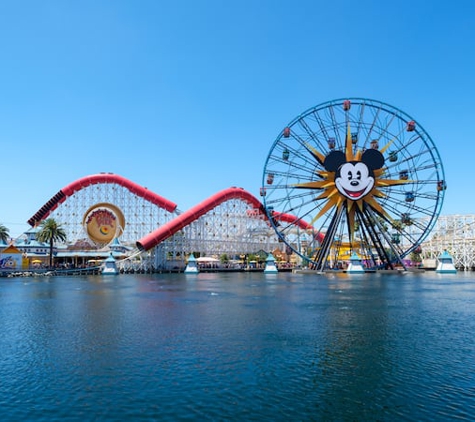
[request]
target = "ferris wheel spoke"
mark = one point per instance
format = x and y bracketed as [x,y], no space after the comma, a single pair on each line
[304,144]
[394,206]
[335,124]
[429,196]
[373,124]
[416,163]
[291,197]
[323,128]
[384,127]
[301,166]
[310,133]
[304,155]
[304,208]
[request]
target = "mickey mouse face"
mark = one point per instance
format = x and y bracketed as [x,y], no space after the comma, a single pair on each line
[354,180]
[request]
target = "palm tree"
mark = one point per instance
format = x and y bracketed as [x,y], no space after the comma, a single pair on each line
[50,232]
[4,234]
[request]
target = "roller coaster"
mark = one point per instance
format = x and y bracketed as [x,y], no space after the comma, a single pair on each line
[99,209]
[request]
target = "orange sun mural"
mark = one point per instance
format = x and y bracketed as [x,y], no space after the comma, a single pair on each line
[103,222]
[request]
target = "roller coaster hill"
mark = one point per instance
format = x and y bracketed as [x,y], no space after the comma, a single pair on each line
[106,213]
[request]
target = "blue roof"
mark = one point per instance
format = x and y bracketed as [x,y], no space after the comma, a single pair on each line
[110,258]
[31,244]
[270,258]
[32,230]
[445,255]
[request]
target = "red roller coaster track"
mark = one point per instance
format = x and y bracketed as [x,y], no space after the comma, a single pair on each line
[173,226]
[196,212]
[169,229]
[94,179]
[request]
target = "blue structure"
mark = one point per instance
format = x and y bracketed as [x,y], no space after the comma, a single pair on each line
[270,268]
[446,264]
[192,266]
[356,265]
[110,266]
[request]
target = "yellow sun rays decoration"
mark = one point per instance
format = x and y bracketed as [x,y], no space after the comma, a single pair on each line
[336,200]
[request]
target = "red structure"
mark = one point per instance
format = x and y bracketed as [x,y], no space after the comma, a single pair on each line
[95,179]
[152,219]
[196,212]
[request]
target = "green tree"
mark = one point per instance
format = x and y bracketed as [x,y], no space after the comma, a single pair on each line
[415,257]
[50,232]
[4,234]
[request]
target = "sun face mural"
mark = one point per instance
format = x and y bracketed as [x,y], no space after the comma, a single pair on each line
[351,180]
[103,222]
[354,179]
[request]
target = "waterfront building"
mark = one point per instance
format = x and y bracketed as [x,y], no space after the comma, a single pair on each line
[12,258]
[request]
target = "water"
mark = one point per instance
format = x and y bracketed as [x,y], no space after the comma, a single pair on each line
[238,346]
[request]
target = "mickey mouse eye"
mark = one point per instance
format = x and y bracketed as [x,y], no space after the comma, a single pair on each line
[350,175]
[358,175]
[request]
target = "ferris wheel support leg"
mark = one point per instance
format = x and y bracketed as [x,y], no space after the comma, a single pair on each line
[325,248]
[377,240]
[368,220]
[364,235]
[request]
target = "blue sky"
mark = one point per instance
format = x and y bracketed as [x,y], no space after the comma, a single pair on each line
[187,97]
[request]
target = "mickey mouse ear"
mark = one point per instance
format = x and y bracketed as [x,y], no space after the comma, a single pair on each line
[373,158]
[334,160]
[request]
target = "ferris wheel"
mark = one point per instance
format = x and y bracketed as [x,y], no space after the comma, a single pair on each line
[353,176]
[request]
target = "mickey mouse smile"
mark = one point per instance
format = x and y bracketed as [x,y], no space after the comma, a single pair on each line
[353,195]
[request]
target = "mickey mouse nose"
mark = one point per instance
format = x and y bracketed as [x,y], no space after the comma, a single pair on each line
[354,183]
